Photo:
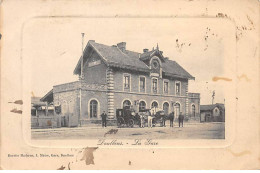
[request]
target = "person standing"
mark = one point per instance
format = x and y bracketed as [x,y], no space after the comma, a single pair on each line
[171,117]
[181,118]
[163,120]
[150,120]
[142,121]
[104,119]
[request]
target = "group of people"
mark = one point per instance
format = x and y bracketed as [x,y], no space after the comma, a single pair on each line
[171,118]
[150,120]
[180,118]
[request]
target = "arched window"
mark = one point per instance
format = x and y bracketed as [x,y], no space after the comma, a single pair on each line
[166,108]
[93,109]
[126,104]
[154,104]
[142,105]
[193,110]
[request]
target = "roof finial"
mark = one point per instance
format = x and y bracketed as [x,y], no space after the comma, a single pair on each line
[157,47]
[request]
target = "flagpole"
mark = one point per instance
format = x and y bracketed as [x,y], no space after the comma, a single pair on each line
[82,75]
[81,79]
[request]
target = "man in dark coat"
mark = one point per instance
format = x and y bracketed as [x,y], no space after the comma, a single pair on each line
[163,120]
[104,119]
[181,118]
[171,117]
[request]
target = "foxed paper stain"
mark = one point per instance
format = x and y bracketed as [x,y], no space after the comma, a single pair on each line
[61,168]
[19,102]
[111,131]
[240,153]
[244,76]
[179,45]
[69,166]
[62,53]
[88,155]
[215,78]
[15,110]
[240,28]
[206,37]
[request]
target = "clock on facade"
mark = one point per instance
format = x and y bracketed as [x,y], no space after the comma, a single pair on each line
[155,64]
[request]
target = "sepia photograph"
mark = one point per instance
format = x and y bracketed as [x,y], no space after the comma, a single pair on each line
[129,85]
[155,83]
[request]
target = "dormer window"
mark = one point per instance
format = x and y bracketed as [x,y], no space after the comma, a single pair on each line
[156,67]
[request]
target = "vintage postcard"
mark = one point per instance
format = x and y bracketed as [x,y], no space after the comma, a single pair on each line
[123,85]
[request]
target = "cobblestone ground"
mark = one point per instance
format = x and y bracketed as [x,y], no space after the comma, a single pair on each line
[189,131]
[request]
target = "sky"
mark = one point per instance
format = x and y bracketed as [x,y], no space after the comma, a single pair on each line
[202,46]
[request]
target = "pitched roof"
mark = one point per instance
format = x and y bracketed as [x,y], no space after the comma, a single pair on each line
[48,97]
[36,101]
[211,107]
[113,56]
[172,68]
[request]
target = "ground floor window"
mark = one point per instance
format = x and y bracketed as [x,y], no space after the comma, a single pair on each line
[154,104]
[126,104]
[142,105]
[93,108]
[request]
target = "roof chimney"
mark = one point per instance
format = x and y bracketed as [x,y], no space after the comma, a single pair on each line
[145,50]
[121,46]
[92,40]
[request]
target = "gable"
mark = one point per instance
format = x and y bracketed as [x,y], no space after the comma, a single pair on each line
[146,56]
[93,60]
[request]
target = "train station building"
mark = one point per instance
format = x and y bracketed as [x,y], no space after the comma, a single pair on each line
[111,77]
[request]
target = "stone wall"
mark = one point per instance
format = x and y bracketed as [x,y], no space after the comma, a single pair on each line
[194,99]
[44,122]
